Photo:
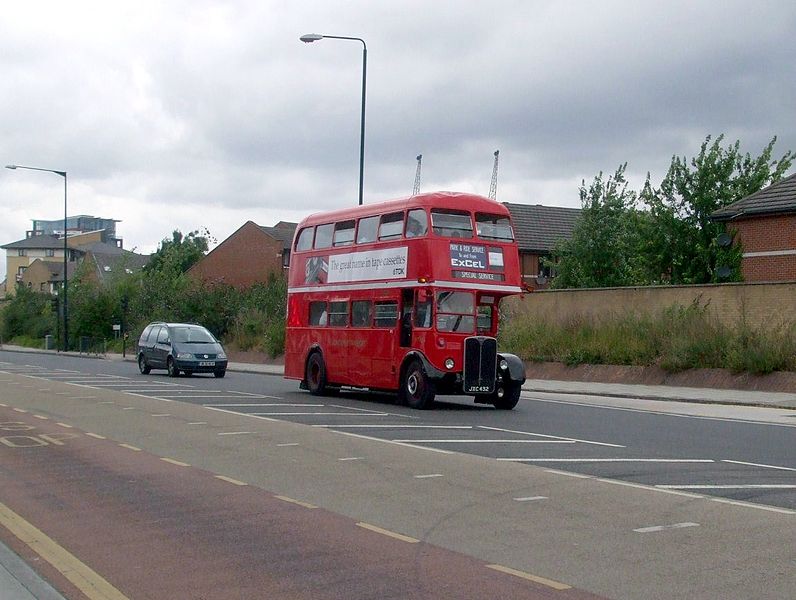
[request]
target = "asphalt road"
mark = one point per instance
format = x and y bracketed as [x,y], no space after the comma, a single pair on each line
[704,507]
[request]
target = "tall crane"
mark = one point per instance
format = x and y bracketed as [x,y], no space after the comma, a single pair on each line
[416,189]
[493,185]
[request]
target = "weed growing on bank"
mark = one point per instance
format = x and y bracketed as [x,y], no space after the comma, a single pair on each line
[680,338]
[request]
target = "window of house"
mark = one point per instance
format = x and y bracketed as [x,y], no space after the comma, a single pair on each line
[361,313]
[304,240]
[344,233]
[367,230]
[318,314]
[323,235]
[49,252]
[386,314]
[338,314]
[22,252]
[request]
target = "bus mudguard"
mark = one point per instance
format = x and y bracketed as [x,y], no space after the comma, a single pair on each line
[431,371]
[516,366]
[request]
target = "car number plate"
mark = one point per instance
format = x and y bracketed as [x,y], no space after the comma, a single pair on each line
[207,363]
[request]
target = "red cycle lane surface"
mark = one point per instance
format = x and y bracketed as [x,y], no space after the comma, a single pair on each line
[158,530]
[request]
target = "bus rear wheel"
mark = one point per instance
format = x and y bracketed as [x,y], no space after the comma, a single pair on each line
[417,391]
[315,374]
[510,397]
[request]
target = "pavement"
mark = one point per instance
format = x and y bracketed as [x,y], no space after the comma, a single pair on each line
[19,582]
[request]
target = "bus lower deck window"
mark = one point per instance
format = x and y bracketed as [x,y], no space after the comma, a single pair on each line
[338,314]
[318,315]
[386,314]
[361,313]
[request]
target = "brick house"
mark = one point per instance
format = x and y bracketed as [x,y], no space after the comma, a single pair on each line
[247,256]
[765,225]
[537,229]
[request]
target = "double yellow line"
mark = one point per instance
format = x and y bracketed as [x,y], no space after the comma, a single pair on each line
[88,581]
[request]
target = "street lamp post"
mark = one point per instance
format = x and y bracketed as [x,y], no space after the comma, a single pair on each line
[65,309]
[314,37]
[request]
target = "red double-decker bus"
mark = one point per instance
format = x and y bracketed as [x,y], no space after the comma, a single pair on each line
[403,296]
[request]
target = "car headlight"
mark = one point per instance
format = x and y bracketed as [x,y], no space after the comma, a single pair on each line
[221,355]
[184,355]
[449,364]
[503,364]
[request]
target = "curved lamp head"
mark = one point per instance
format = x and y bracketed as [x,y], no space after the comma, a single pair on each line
[311,37]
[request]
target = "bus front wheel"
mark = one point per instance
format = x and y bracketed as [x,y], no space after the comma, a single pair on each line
[510,397]
[316,374]
[417,390]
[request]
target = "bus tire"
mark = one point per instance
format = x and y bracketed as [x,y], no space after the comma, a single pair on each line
[417,390]
[315,374]
[511,395]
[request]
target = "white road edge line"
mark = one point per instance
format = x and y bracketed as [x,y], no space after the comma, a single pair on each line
[555,437]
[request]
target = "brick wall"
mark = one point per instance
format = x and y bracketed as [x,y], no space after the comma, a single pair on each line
[246,257]
[769,246]
[771,303]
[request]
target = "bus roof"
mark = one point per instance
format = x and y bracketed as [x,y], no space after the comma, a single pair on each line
[446,200]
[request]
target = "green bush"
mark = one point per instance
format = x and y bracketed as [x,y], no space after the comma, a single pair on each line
[680,338]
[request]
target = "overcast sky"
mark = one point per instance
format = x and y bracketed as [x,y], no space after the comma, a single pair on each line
[181,115]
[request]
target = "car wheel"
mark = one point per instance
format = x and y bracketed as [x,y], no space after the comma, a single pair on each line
[511,395]
[142,366]
[219,374]
[315,375]
[417,390]
[171,367]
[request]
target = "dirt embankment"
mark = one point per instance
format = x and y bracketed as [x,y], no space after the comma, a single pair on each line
[712,378]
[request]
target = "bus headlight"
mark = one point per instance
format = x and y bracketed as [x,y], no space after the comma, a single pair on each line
[503,364]
[449,364]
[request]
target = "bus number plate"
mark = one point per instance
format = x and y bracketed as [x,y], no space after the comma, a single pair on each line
[478,389]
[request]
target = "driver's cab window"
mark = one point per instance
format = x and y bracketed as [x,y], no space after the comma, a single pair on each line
[485,319]
[423,308]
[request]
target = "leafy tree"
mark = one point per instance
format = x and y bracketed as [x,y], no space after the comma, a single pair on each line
[681,241]
[181,252]
[603,249]
[28,313]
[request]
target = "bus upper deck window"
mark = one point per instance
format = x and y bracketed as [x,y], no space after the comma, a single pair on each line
[344,233]
[323,235]
[366,232]
[304,241]
[450,223]
[494,227]
[416,223]
[391,226]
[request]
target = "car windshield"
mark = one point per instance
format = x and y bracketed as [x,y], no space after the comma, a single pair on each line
[192,335]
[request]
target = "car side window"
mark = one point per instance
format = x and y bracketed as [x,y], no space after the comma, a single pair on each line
[153,335]
[163,335]
[145,334]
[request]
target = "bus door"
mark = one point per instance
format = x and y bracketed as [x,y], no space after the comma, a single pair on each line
[384,338]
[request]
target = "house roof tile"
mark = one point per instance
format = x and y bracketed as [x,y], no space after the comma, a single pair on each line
[777,198]
[538,227]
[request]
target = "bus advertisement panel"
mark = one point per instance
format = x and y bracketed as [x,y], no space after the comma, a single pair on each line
[403,296]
